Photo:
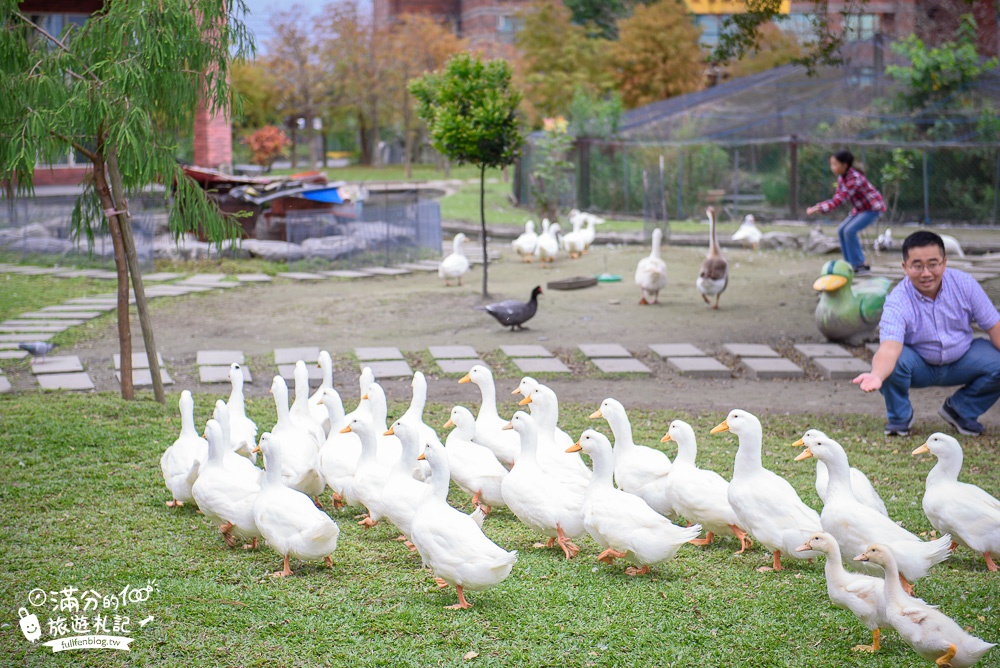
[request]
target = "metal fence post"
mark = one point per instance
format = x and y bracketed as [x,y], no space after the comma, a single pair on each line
[625,174]
[927,188]
[680,183]
[736,182]
[996,188]
[793,176]
[663,194]
[583,182]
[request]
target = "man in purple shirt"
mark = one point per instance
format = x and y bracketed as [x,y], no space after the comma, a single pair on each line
[926,340]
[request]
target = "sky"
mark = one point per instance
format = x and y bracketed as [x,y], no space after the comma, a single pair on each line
[259,15]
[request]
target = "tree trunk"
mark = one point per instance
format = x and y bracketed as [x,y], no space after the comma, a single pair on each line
[125,221]
[407,136]
[366,147]
[121,266]
[482,225]
[295,142]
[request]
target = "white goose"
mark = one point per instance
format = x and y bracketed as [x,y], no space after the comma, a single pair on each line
[298,450]
[698,495]
[287,519]
[932,634]
[402,494]
[316,407]
[474,468]
[856,526]
[548,244]
[526,242]
[371,473]
[766,505]
[863,595]
[456,264]
[543,503]
[622,523]
[300,411]
[243,430]
[338,458]
[651,272]
[635,465]
[180,462]
[968,513]
[225,494]
[861,486]
[451,543]
[489,425]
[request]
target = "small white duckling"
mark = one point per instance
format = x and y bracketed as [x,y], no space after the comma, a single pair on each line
[622,523]
[932,634]
[967,512]
[474,468]
[288,519]
[181,461]
[526,242]
[456,264]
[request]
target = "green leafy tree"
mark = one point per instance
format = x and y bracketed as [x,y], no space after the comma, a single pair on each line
[602,15]
[775,48]
[97,89]
[470,110]
[593,117]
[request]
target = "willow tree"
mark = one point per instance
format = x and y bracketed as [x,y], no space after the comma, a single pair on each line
[471,113]
[119,89]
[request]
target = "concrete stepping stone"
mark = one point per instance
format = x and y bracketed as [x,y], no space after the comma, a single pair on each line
[302,276]
[62,315]
[142,377]
[74,274]
[541,365]
[346,273]
[699,367]
[452,352]
[87,301]
[5,386]
[205,278]
[31,330]
[253,278]
[458,365]
[44,322]
[620,365]
[161,276]
[287,371]
[873,347]
[390,369]
[206,285]
[13,354]
[526,351]
[814,350]
[66,381]
[749,350]
[56,364]
[841,368]
[74,308]
[771,368]
[219,357]
[8,345]
[603,350]
[22,338]
[104,275]
[374,354]
[220,374]
[174,290]
[666,350]
[416,266]
[292,355]
[388,271]
[139,361]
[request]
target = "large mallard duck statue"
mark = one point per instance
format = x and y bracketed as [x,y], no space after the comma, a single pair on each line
[849,311]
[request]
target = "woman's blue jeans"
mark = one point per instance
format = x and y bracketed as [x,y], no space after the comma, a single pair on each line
[848,232]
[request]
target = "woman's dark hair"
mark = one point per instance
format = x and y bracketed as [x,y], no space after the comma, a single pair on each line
[844,157]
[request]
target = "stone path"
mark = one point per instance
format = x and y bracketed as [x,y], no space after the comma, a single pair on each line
[455,359]
[213,365]
[384,362]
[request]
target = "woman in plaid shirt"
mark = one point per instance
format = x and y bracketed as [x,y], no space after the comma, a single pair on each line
[868,204]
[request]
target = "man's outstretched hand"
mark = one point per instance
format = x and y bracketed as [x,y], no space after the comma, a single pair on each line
[869,382]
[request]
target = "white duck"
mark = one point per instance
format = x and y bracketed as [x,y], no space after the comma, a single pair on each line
[316,407]
[968,513]
[551,450]
[856,526]
[525,388]
[863,595]
[474,468]
[766,505]
[414,415]
[389,447]
[371,473]
[300,411]
[456,264]
[299,455]
[575,242]
[932,634]
[635,465]
[548,244]
[861,486]
[489,425]
[181,461]
[287,519]
[225,493]
[243,430]
[952,246]
[366,378]
[713,277]
[590,221]
[231,458]
[338,458]
[651,272]
[543,503]
[698,495]
[748,233]
[451,543]
[402,494]
[526,242]
[622,523]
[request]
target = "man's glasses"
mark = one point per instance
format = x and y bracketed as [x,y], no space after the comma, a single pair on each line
[919,267]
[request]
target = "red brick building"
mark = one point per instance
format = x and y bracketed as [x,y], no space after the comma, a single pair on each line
[487,24]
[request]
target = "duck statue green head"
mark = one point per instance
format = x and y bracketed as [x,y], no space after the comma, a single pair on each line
[848,311]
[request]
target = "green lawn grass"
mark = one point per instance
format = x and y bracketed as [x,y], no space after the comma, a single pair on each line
[85,503]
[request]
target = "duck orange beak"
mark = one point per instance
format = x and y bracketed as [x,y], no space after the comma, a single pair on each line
[798,444]
[721,427]
[389,432]
[805,454]
[517,390]
[803,547]
[829,283]
[861,557]
[255,449]
[596,414]
[364,397]
[666,439]
[346,430]
[921,450]
[465,379]
[447,424]
[525,401]
[508,426]
[421,457]
[576,447]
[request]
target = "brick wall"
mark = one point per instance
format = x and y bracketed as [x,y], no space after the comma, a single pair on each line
[213,140]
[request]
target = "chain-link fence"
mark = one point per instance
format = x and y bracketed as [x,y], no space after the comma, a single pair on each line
[928,183]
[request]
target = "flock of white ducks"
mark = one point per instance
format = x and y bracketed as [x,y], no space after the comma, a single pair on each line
[627,504]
